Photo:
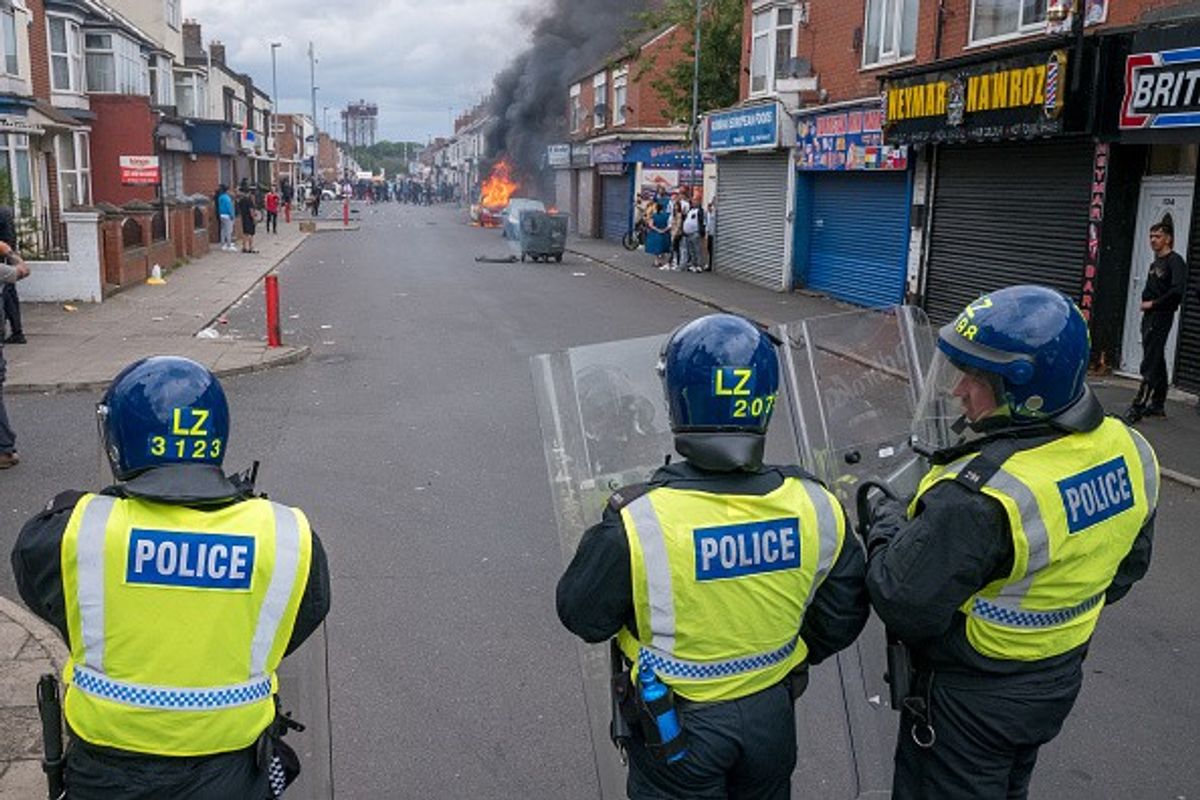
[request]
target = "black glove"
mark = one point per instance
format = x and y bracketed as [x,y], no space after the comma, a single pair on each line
[887,516]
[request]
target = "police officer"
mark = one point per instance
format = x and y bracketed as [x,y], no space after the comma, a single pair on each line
[1037,513]
[725,577]
[178,593]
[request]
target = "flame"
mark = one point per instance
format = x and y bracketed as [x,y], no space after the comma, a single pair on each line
[498,187]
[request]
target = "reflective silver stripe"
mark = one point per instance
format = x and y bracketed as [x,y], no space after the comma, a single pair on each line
[658,573]
[89,572]
[827,535]
[1013,594]
[1149,470]
[283,579]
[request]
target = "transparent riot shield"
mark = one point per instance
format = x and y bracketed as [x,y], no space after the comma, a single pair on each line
[855,379]
[605,425]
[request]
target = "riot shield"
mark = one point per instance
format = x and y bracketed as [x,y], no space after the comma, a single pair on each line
[605,425]
[855,379]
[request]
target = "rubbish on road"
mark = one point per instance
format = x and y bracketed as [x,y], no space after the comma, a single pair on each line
[208,333]
[158,319]
[579,274]
[222,320]
[492,260]
[326,327]
[156,278]
[293,316]
[69,307]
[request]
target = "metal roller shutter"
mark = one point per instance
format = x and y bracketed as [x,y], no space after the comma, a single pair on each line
[859,250]
[1005,214]
[1187,355]
[752,218]
[615,207]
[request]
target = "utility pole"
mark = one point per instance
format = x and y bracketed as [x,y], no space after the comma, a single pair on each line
[312,80]
[693,133]
[274,108]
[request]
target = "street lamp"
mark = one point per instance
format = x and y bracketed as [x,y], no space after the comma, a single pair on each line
[274,107]
[696,99]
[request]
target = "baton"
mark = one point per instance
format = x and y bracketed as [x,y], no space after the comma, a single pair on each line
[619,730]
[899,659]
[50,711]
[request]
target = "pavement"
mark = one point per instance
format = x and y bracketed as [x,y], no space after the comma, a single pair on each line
[1174,438]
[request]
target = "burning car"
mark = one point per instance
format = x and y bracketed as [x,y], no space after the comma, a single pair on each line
[494,196]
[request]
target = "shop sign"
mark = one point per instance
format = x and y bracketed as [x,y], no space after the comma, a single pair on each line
[1162,90]
[608,153]
[1014,98]
[850,139]
[139,170]
[664,155]
[611,169]
[581,155]
[559,155]
[1091,267]
[743,129]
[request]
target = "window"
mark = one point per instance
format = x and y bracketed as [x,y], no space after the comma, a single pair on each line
[576,108]
[891,31]
[16,186]
[114,64]
[162,83]
[1000,19]
[8,29]
[66,54]
[600,109]
[172,13]
[772,47]
[74,170]
[191,94]
[620,95]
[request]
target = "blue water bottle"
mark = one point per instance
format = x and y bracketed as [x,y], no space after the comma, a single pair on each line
[657,699]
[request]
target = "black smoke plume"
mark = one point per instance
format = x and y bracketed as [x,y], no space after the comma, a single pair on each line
[529,99]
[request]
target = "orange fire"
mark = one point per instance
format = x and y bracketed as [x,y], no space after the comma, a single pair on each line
[498,187]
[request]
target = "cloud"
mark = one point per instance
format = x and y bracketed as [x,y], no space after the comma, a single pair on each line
[418,61]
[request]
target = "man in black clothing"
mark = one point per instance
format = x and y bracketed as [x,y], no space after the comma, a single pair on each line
[1166,284]
[12,303]
[699,576]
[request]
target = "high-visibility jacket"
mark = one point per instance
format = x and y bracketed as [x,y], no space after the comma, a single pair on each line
[1074,507]
[721,583]
[177,621]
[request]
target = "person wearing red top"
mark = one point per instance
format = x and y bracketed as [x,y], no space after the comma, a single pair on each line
[272,203]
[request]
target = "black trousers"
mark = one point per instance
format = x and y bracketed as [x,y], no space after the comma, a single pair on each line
[272,222]
[1154,362]
[988,731]
[12,308]
[741,750]
[95,774]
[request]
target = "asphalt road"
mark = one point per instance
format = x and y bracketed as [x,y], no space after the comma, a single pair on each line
[411,439]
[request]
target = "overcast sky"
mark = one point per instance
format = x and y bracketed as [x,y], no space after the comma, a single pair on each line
[415,59]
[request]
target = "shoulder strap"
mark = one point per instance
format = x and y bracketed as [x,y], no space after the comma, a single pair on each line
[627,494]
[992,457]
[798,472]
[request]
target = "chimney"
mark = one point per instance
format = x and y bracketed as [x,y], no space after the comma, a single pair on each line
[193,43]
[218,52]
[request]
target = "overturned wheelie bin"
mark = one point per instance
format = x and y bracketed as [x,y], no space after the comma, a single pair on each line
[543,236]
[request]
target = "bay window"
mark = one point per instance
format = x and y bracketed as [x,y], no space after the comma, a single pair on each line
[772,46]
[8,38]
[74,170]
[66,54]
[114,64]
[15,176]
[191,94]
[1006,19]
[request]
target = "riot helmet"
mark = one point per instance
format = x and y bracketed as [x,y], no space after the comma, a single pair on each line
[163,410]
[1015,358]
[720,374]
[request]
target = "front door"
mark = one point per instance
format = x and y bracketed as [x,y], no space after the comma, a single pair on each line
[1159,197]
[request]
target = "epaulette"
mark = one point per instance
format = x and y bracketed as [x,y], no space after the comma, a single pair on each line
[63,501]
[627,494]
[798,472]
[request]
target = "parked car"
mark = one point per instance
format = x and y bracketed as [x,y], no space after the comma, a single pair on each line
[512,215]
[328,193]
[491,217]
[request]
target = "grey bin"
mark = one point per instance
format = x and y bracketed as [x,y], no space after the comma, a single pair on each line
[543,235]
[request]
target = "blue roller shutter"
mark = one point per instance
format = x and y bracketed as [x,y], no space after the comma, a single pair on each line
[616,203]
[859,238]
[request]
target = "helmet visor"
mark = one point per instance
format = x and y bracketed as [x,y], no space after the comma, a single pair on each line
[104,467]
[958,404]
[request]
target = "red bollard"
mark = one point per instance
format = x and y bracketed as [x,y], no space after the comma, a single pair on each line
[287,213]
[274,339]
[345,212]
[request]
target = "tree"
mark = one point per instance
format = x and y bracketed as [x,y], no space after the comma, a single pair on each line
[390,156]
[720,55]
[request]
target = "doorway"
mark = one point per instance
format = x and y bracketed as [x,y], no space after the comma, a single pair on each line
[1160,196]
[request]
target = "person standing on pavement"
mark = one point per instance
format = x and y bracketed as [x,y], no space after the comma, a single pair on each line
[178,591]
[12,269]
[1037,514]
[286,194]
[225,212]
[8,294]
[1166,284]
[679,210]
[710,233]
[693,230]
[731,639]
[247,211]
[658,235]
[271,203]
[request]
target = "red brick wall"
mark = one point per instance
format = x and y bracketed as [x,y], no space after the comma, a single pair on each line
[202,175]
[653,64]
[124,126]
[39,51]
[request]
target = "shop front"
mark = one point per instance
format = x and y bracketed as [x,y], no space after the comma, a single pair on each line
[1013,160]
[1159,125]
[616,189]
[756,195]
[853,196]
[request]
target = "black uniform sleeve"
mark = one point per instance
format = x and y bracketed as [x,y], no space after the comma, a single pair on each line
[314,604]
[595,594]
[37,561]
[920,572]
[1178,286]
[1135,564]
[840,606]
